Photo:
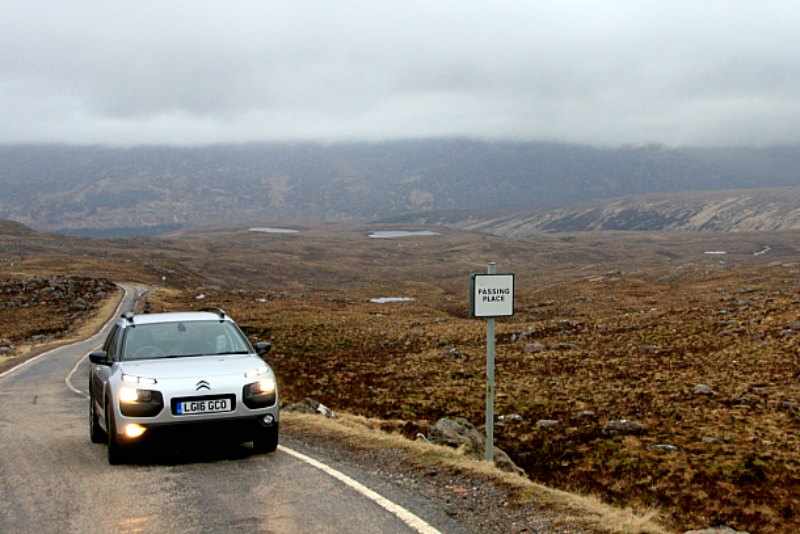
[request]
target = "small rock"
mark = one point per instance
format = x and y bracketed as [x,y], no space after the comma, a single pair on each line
[624,427]
[38,337]
[505,463]
[201,296]
[664,447]
[703,389]
[709,440]
[649,349]
[586,414]
[566,346]
[453,353]
[533,348]
[324,410]
[510,418]
[716,530]
[5,349]
[547,423]
[794,325]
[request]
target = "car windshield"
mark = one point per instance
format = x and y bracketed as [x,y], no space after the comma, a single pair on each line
[182,339]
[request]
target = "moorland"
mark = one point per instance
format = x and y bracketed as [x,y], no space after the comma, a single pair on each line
[638,366]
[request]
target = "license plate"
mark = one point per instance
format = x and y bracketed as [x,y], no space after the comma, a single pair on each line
[203,406]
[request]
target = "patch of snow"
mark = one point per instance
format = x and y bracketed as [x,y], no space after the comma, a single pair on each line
[393,234]
[715,252]
[201,296]
[387,300]
[762,252]
[269,230]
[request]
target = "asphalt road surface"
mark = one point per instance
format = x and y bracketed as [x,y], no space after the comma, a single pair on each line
[52,479]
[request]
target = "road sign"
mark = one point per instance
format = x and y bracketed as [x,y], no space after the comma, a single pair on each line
[492,295]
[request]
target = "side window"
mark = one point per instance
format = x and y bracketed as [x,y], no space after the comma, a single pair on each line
[110,341]
[116,345]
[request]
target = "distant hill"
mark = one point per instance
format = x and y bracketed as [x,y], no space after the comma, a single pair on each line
[13,228]
[95,189]
[741,210]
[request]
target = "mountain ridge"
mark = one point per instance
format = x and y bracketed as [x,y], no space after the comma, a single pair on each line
[56,187]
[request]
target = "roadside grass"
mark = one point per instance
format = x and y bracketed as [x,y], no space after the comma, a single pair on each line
[585,510]
[86,328]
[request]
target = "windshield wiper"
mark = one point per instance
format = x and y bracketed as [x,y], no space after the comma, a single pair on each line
[184,355]
[231,352]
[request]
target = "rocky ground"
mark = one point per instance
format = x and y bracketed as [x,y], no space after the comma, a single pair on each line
[35,310]
[675,389]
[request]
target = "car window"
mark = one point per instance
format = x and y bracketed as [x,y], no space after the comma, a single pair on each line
[182,339]
[110,339]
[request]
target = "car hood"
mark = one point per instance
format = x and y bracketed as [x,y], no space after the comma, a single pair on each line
[193,366]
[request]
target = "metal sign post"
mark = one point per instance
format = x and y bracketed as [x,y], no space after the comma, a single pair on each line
[491,295]
[490,387]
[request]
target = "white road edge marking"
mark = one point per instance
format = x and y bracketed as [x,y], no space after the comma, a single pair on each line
[68,379]
[42,355]
[409,518]
[404,515]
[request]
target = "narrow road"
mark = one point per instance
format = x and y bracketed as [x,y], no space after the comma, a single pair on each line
[52,479]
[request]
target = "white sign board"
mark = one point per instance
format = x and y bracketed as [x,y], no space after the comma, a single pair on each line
[492,295]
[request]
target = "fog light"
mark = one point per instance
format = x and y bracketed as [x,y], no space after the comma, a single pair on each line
[269,419]
[134,431]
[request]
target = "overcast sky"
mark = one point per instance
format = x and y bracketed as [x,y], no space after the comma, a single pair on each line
[605,72]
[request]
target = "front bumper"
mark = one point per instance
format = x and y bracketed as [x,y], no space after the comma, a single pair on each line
[232,429]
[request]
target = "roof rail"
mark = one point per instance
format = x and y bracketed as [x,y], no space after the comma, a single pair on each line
[218,311]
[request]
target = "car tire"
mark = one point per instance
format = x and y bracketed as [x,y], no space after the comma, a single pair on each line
[116,450]
[267,440]
[96,433]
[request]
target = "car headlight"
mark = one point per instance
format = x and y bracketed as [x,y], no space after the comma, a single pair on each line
[261,393]
[138,380]
[134,402]
[266,385]
[128,394]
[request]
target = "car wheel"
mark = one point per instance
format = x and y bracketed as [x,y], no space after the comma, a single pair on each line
[116,450]
[96,434]
[266,440]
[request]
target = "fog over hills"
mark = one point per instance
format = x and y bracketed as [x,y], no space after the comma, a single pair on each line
[152,188]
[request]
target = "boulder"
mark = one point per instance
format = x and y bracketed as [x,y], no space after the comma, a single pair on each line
[459,433]
[547,423]
[624,427]
[533,348]
[453,353]
[310,406]
[703,389]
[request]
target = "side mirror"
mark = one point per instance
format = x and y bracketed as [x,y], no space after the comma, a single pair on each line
[263,347]
[99,357]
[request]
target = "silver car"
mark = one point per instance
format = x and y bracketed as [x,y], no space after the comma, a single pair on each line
[180,373]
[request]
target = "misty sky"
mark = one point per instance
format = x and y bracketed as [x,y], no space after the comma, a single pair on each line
[675,72]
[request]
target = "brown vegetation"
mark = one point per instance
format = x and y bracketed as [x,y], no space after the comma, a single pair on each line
[608,327]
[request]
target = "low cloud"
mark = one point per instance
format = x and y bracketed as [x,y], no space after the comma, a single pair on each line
[598,72]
